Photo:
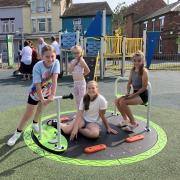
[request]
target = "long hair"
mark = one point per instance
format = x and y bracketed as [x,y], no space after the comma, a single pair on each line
[139,54]
[87,99]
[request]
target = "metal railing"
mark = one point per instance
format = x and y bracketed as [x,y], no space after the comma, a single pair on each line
[165,61]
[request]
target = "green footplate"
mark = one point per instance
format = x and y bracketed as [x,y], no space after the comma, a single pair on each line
[50,133]
[158,147]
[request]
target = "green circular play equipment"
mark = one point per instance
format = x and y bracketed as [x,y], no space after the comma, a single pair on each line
[156,148]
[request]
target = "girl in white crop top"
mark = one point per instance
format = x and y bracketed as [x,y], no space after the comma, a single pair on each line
[92,108]
[78,68]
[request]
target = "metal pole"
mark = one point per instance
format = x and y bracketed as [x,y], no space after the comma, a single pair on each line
[102,59]
[149,106]
[66,63]
[77,37]
[58,125]
[40,126]
[144,42]
[124,56]
[103,45]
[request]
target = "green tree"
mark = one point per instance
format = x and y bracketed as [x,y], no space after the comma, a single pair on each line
[118,17]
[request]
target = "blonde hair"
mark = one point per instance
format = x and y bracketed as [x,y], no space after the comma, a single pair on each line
[77,48]
[93,82]
[48,48]
[142,56]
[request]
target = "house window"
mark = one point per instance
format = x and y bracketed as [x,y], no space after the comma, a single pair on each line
[49,23]
[161,23]
[145,25]
[153,24]
[41,6]
[42,25]
[5,26]
[77,21]
[77,24]
[33,6]
[34,26]
[12,26]
[49,5]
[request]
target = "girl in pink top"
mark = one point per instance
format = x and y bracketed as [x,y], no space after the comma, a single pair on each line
[78,68]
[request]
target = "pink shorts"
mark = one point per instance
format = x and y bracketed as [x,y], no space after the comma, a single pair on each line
[79,91]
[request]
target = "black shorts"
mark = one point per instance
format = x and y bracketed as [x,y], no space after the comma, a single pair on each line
[143,96]
[32,101]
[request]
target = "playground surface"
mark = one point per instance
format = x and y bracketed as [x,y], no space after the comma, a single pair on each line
[19,162]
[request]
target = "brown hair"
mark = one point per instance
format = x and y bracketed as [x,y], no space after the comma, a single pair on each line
[87,99]
[48,48]
[141,55]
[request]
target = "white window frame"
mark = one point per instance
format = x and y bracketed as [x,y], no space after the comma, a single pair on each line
[49,28]
[49,5]
[12,26]
[5,26]
[41,8]
[146,25]
[40,23]
[33,2]
[161,23]
[35,20]
[77,21]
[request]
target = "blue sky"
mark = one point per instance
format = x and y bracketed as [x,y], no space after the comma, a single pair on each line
[113,3]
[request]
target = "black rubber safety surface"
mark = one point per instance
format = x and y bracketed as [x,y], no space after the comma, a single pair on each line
[116,145]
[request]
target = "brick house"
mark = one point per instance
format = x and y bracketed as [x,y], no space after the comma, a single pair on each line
[137,10]
[30,19]
[167,21]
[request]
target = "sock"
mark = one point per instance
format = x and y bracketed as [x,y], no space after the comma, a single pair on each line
[35,122]
[19,131]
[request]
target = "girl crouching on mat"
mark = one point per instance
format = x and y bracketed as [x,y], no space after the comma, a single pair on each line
[79,69]
[138,79]
[92,107]
[42,92]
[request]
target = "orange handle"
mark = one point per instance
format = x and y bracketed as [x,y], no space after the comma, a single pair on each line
[96,148]
[134,138]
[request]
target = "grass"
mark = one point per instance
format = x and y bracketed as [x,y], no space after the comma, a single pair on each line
[19,162]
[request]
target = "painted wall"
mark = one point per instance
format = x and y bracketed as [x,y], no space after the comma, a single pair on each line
[16,13]
[67,23]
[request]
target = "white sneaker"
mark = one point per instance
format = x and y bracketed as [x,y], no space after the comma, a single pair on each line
[14,138]
[35,127]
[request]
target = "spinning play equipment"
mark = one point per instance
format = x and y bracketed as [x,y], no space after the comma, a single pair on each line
[50,138]
[144,142]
